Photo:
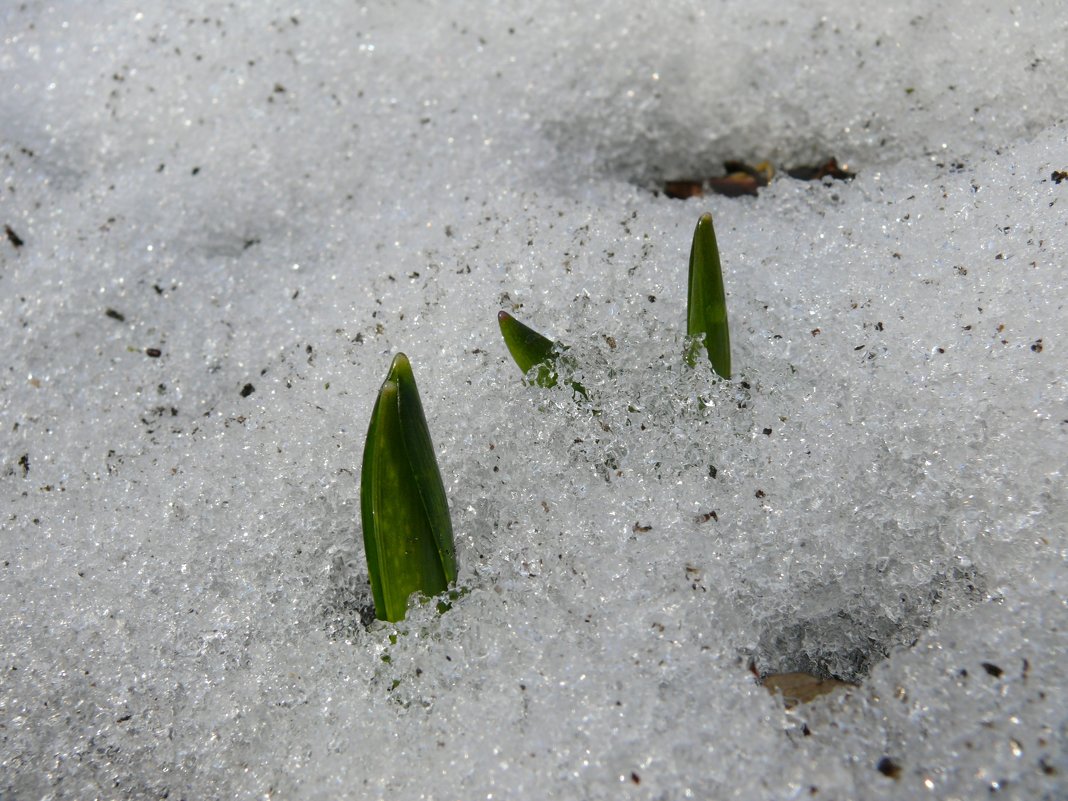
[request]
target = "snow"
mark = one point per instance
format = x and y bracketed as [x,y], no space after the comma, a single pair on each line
[231,216]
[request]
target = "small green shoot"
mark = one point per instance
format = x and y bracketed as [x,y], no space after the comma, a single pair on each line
[530,349]
[706,311]
[407,532]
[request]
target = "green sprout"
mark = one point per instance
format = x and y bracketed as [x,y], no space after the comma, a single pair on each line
[530,349]
[407,532]
[706,311]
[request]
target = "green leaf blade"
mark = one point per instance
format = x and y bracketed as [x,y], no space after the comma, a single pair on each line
[420,451]
[529,349]
[706,312]
[406,527]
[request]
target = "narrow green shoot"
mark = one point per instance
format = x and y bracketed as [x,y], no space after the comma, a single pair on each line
[530,349]
[706,311]
[407,532]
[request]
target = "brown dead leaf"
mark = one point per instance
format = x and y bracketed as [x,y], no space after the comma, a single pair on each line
[680,190]
[800,688]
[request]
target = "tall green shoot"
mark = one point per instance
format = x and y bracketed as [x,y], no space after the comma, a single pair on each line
[706,312]
[407,532]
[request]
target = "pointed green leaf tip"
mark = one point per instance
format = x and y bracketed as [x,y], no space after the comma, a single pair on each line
[707,303]
[407,532]
[529,349]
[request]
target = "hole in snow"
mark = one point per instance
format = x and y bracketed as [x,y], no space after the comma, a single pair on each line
[850,636]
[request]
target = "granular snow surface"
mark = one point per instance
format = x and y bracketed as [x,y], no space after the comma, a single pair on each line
[222,220]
